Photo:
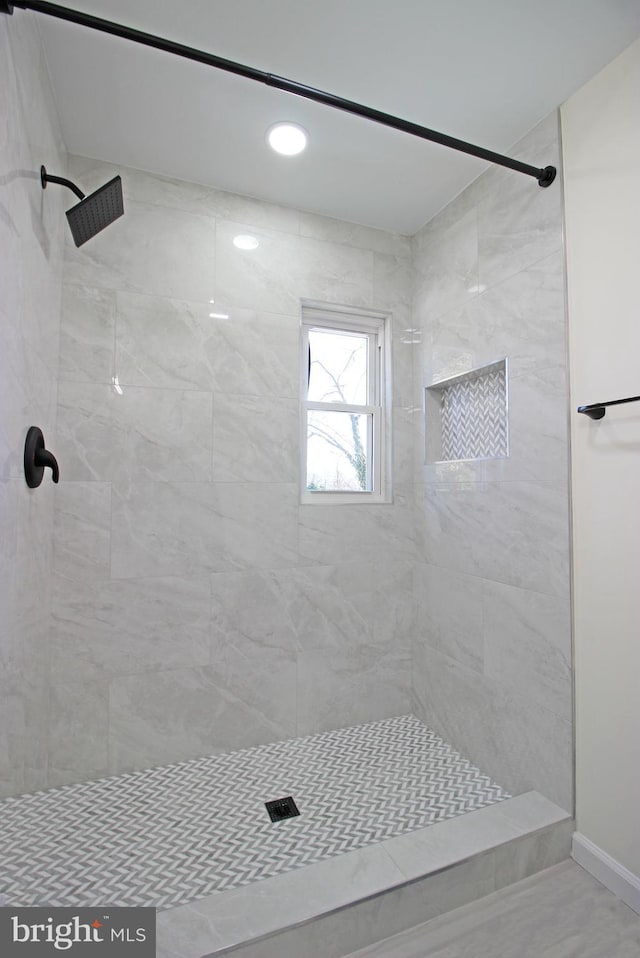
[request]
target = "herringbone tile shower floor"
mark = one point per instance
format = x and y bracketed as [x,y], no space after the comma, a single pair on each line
[166,836]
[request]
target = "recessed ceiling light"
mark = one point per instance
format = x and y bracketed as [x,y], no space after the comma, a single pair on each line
[287,138]
[218,315]
[245,242]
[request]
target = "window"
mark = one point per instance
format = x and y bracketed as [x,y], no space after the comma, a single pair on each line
[344,385]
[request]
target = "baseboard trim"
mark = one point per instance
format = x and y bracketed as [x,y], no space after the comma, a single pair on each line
[614,876]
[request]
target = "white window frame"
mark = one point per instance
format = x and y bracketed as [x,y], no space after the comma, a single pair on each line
[377,326]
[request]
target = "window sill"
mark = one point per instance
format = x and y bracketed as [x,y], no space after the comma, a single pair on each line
[344,499]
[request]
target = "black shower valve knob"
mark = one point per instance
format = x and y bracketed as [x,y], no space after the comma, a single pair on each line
[37,458]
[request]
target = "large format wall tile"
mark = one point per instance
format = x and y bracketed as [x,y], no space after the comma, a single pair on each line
[335,608]
[264,622]
[350,234]
[352,533]
[33,574]
[491,651]
[163,342]
[403,345]
[121,627]
[260,524]
[255,439]
[449,614]
[382,592]
[87,334]
[392,281]
[134,434]
[446,266]
[527,645]
[11,644]
[512,738]
[514,532]
[517,224]
[31,239]
[507,650]
[152,249]
[403,439]
[78,726]
[12,734]
[341,688]
[11,436]
[35,696]
[166,528]
[255,214]
[82,530]
[167,716]
[204,346]
[538,426]
[520,640]
[255,353]
[143,187]
[259,684]
[285,269]
[516,230]
[178,528]
[522,319]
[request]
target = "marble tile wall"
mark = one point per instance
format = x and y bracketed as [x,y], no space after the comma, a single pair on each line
[491,653]
[197,606]
[31,240]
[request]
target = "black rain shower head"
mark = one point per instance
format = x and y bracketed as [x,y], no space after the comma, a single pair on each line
[93,213]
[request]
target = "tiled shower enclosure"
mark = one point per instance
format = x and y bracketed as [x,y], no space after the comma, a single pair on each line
[172,598]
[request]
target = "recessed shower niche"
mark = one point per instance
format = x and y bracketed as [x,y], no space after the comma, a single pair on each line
[466,415]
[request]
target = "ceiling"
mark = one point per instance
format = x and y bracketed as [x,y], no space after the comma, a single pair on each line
[485,71]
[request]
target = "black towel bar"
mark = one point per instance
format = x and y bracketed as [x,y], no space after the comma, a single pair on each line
[596,410]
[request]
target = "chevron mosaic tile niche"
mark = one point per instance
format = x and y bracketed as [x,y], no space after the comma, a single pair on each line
[471,421]
[170,835]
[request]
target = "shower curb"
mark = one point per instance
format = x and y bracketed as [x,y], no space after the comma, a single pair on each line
[345,903]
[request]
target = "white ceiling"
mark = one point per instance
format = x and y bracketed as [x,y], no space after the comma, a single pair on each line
[485,71]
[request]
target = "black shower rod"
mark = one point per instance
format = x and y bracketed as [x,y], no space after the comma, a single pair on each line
[544,176]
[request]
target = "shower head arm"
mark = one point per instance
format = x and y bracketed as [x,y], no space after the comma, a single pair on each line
[48,178]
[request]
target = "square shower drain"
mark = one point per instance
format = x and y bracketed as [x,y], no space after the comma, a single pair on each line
[282,808]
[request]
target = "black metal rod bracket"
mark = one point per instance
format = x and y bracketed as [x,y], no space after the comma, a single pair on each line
[48,178]
[548,176]
[6,7]
[597,410]
[544,176]
[593,412]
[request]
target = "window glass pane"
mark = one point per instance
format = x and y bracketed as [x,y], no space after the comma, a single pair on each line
[339,451]
[339,364]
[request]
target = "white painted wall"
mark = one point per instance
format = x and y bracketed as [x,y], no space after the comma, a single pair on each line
[601,140]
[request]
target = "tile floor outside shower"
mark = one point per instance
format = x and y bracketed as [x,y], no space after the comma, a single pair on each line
[562,912]
[172,835]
